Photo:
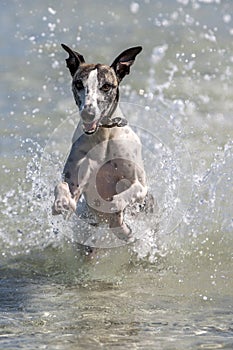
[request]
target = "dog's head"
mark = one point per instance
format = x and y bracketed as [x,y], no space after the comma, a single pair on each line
[95,86]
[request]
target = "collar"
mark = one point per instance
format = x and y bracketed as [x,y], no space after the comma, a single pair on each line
[111,123]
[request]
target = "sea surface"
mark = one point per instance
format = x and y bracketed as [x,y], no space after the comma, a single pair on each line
[173,287]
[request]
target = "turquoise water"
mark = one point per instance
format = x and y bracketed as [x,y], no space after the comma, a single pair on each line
[172,289]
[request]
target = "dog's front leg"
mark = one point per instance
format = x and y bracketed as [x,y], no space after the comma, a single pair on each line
[76,178]
[119,202]
[67,193]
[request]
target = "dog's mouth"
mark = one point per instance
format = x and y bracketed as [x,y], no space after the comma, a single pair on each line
[91,128]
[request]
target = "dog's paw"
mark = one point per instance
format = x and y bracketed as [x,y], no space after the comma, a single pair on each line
[63,201]
[61,205]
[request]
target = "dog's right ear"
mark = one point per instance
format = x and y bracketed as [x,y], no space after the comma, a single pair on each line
[124,61]
[74,59]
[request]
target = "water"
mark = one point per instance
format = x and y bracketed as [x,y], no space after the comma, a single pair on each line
[172,289]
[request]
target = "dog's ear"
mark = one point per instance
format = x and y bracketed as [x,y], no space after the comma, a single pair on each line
[74,59]
[124,61]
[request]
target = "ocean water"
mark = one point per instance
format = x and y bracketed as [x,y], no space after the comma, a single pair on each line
[172,288]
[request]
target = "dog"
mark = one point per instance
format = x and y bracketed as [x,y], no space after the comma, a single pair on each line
[105,162]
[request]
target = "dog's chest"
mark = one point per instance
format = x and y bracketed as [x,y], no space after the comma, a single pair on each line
[109,175]
[112,157]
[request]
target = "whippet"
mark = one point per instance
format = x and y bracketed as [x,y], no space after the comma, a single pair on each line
[105,162]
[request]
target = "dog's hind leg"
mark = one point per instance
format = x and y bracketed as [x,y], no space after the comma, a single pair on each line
[119,227]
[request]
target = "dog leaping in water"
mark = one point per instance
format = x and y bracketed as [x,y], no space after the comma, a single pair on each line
[105,161]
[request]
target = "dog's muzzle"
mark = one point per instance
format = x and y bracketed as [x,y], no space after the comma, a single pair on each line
[90,124]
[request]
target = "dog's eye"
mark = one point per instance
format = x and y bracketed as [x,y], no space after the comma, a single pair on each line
[106,87]
[79,85]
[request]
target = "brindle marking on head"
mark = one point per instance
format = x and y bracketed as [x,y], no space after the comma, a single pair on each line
[99,95]
[105,74]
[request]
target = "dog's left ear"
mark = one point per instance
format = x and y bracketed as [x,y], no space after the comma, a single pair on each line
[124,61]
[74,59]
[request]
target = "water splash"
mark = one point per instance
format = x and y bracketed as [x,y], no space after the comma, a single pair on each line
[189,204]
[28,207]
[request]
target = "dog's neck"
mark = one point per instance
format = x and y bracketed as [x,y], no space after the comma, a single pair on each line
[116,119]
